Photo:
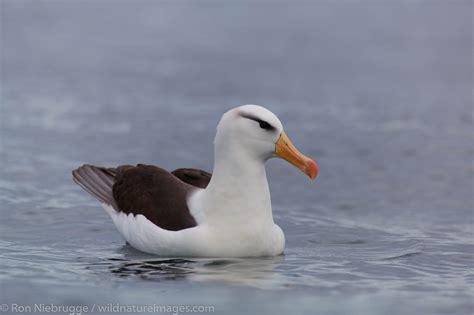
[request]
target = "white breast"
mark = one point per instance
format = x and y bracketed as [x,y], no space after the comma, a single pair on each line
[200,241]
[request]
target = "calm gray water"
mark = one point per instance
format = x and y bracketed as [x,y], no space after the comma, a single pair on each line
[378,92]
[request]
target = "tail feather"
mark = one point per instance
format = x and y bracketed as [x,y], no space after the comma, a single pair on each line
[96,181]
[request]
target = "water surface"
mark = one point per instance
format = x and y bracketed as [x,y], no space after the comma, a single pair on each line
[379,93]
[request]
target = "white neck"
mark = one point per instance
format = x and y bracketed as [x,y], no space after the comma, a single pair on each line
[238,191]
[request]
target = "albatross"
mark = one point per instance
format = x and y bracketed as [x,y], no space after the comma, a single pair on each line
[192,213]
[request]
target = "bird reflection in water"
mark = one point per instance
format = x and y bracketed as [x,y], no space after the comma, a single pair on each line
[255,272]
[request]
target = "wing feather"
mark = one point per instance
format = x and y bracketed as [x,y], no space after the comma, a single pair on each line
[148,190]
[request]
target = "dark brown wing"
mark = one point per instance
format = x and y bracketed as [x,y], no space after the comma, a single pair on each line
[155,193]
[143,189]
[192,176]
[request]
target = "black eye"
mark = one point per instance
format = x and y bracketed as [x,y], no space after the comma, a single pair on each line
[265,125]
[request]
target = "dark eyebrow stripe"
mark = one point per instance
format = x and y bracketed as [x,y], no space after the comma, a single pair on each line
[251,117]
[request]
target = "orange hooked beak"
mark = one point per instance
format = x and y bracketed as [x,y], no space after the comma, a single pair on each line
[285,149]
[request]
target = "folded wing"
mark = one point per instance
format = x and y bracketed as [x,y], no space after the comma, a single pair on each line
[148,190]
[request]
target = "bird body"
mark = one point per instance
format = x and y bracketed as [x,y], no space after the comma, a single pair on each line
[192,213]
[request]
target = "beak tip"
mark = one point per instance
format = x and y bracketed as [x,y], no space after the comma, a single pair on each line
[312,169]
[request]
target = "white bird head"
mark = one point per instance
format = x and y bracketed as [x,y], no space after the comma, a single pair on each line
[254,132]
